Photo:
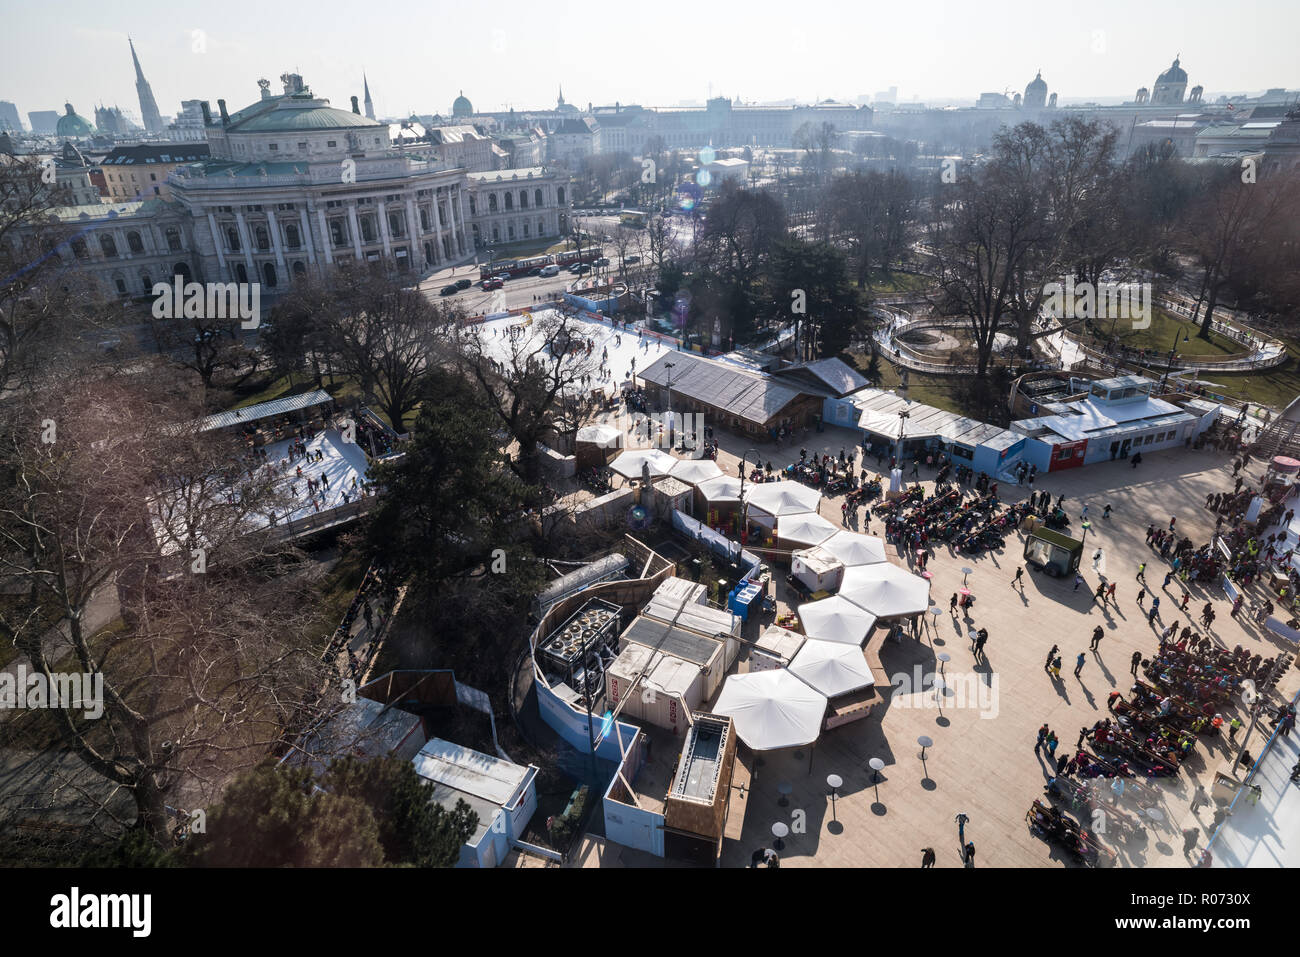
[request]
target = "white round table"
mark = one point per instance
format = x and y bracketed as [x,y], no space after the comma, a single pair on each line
[877,765]
[925,742]
[779,831]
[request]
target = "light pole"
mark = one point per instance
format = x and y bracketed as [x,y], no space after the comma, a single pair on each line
[744,506]
[1169,366]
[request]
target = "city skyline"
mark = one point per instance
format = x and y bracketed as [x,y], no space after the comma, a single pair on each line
[1105,56]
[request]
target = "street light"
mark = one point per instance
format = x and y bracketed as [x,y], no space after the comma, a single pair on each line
[744,506]
[1169,366]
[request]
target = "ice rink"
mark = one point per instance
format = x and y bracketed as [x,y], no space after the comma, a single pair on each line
[1264,834]
[626,352]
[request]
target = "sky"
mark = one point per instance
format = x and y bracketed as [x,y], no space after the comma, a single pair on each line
[420,55]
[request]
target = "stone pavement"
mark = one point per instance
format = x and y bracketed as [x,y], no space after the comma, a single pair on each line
[983,762]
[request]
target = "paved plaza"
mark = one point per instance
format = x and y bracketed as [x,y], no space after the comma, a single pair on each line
[982,761]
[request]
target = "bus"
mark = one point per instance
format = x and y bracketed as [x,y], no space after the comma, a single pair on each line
[632,217]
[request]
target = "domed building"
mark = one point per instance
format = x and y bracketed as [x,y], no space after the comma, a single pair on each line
[72,126]
[1170,86]
[1036,93]
[462,106]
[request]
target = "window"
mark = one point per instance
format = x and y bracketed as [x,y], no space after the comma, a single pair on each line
[107,244]
[510,201]
[173,239]
[146,283]
[523,199]
[395,224]
[526,234]
[232,238]
[153,177]
[492,202]
[268,273]
[367,230]
[332,143]
[511,229]
[541,227]
[263,240]
[291,236]
[537,197]
[303,147]
[559,195]
[273,148]
[337,235]
[424,219]
[121,285]
[79,249]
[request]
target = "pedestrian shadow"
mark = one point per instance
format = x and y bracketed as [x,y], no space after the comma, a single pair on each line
[1105,672]
[1092,702]
[1059,685]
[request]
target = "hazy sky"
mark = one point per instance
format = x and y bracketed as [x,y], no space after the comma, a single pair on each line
[509,53]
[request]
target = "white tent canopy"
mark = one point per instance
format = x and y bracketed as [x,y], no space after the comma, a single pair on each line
[724,488]
[836,619]
[605,436]
[885,590]
[782,498]
[772,709]
[695,471]
[806,528]
[832,668]
[629,464]
[854,548]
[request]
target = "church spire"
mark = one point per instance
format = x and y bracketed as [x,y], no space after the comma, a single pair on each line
[148,105]
[370,106]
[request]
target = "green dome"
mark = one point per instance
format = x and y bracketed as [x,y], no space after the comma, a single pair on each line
[71,125]
[462,106]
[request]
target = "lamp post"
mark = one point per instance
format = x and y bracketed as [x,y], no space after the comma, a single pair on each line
[744,506]
[669,387]
[1169,365]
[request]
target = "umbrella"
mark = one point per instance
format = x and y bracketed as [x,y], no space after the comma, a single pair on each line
[963,591]
[885,590]
[782,498]
[832,668]
[605,436]
[724,488]
[772,709]
[695,471]
[629,464]
[806,528]
[852,548]
[836,619]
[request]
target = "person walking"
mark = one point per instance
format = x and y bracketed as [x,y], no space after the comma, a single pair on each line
[1097,634]
[1190,837]
[1100,593]
[1134,662]
[968,854]
[1052,742]
[1050,655]
[1061,762]
[927,858]
[962,820]
[1056,668]
[1199,798]
[981,637]
[1083,733]
[1110,592]
[1142,573]
[1020,573]
[952,605]
[1078,664]
[1105,512]
[1234,726]
[1142,597]
[1155,610]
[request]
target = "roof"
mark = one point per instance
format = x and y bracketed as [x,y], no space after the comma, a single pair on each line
[744,394]
[264,410]
[294,115]
[835,374]
[482,775]
[671,640]
[363,728]
[151,153]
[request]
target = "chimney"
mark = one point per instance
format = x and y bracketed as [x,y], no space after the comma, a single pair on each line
[355,109]
[225,117]
[207,113]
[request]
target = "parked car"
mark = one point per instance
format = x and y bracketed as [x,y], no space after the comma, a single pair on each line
[493,283]
[450,290]
[464,283]
[602,261]
[551,270]
[583,269]
[629,260]
[535,271]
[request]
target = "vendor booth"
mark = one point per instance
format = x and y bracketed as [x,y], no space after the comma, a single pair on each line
[1052,552]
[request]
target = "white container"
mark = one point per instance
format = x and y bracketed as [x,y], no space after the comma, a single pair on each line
[675,686]
[775,648]
[817,569]
[620,679]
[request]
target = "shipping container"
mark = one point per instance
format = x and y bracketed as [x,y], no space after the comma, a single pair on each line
[818,570]
[774,648]
[675,687]
[621,676]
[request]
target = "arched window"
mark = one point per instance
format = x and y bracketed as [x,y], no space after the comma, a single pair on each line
[232,237]
[173,239]
[492,202]
[395,227]
[79,249]
[496,234]
[367,230]
[146,283]
[263,239]
[559,195]
[537,197]
[337,235]
[428,252]
[133,242]
[510,201]
[424,218]
[182,269]
[268,273]
[291,236]
[541,227]
[241,274]
[511,227]
[106,243]
[473,207]
[523,199]
[298,268]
